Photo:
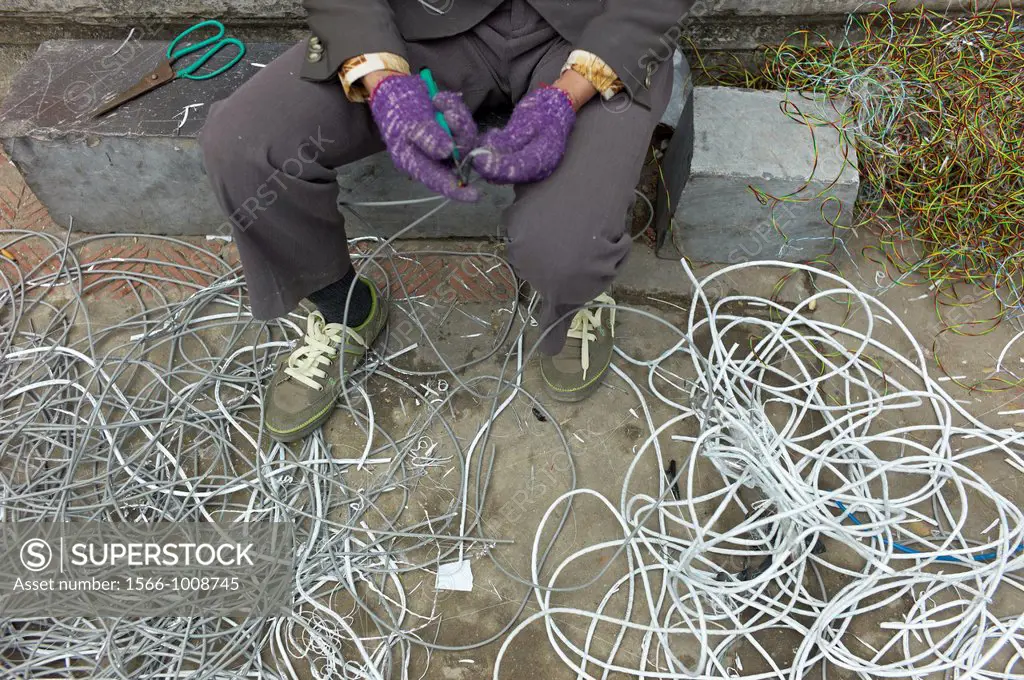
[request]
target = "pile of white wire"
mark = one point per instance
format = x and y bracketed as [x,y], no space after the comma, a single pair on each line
[828,450]
[782,425]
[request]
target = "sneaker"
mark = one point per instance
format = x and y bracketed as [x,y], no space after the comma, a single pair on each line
[306,386]
[576,372]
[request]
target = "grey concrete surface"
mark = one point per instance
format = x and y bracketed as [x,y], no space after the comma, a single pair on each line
[12,57]
[819,7]
[742,140]
[676,164]
[118,9]
[281,10]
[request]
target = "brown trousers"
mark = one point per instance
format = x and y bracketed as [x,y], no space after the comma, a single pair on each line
[567,234]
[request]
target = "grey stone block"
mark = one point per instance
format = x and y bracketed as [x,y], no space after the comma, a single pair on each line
[682,93]
[136,171]
[679,115]
[742,139]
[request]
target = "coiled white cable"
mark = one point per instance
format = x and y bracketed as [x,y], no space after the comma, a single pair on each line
[802,421]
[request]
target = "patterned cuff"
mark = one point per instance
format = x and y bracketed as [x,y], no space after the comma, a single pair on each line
[357,67]
[596,70]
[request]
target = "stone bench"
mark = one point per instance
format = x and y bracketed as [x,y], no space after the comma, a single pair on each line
[139,169]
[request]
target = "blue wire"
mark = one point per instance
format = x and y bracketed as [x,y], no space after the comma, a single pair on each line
[985,557]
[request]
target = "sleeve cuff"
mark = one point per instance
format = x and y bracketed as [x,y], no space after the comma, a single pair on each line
[355,68]
[596,70]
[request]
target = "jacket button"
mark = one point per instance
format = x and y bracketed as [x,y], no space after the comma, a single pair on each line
[651,68]
[314,57]
[313,40]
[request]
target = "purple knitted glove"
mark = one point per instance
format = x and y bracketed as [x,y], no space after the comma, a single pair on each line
[416,142]
[533,143]
[460,120]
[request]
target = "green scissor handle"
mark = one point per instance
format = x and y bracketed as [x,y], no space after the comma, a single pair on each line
[432,90]
[218,43]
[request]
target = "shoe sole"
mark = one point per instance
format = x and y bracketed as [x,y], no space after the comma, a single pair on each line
[289,437]
[575,396]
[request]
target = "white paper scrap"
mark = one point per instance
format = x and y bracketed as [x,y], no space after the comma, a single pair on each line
[455,576]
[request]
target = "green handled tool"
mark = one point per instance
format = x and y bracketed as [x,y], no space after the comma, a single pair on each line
[432,89]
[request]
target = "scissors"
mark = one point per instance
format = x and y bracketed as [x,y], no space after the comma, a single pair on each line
[166,72]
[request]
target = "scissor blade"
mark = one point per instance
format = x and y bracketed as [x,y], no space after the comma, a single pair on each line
[161,76]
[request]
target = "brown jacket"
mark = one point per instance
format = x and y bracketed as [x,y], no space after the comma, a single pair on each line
[632,36]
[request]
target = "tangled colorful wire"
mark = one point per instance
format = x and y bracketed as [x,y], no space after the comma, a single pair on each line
[938,117]
[936,111]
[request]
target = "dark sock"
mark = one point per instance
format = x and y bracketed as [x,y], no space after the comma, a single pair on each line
[331,301]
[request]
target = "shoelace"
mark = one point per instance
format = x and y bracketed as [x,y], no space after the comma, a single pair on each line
[320,347]
[585,323]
